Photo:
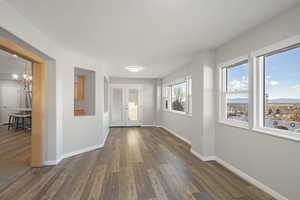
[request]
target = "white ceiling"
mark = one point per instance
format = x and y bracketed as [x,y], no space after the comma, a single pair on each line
[160,35]
[10,64]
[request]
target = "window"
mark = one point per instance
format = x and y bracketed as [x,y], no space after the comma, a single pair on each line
[177,97]
[281,89]
[234,94]
[275,102]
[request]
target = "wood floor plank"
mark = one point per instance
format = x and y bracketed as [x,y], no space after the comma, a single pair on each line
[158,188]
[143,184]
[97,183]
[128,188]
[14,155]
[54,188]
[111,186]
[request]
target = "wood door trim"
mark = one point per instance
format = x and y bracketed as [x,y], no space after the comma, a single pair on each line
[38,93]
[15,49]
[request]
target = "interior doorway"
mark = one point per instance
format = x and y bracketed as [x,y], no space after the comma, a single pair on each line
[21,111]
[126,105]
[15,116]
[33,79]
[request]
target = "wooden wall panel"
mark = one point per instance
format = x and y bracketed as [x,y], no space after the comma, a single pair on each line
[38,84]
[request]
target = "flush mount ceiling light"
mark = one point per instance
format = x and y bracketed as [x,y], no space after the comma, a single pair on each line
[15,76]
[134,68]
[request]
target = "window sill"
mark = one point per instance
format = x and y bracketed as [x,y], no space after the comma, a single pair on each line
[86,116]
[178,113]
[289,135]
[236,124]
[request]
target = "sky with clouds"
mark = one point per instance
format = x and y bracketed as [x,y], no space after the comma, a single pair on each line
[282,75]
[237,78]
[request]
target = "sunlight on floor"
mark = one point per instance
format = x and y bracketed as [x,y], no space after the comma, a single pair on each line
[132,111]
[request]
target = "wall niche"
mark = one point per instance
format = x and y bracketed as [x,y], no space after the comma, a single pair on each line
[84,92]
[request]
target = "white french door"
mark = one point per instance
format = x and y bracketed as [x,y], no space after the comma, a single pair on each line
[126,105]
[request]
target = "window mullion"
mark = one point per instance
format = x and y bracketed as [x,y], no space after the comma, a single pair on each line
[237,92]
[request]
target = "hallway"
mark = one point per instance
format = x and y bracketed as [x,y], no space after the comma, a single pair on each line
[136,163]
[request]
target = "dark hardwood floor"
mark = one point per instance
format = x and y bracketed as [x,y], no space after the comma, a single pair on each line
[135,163]
[14,155]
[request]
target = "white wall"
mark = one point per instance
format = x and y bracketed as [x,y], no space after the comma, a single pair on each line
[64,132]
[271,160]
[198,128]
[149,96]
[85,131]
[12,94]
[106,122]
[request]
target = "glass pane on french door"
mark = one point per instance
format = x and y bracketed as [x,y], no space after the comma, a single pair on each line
[133,104]
[117,105]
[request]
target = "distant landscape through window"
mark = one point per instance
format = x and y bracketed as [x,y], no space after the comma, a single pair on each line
[282,90]
[179,97]
[237,92]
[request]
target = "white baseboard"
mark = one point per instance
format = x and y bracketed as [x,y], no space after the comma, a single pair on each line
[105,137]
[74,153]
[201,157]
[148,125]
[175,134]
[251,180]
[241,174]
[84,150]
[50,162]
[53,162]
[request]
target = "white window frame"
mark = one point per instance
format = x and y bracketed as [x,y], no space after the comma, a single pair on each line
[189,86]
[258,90]
[165,89]
[223,91]
[168,86]
[186,98]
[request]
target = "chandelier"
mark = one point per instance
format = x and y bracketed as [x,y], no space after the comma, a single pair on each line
[25,77]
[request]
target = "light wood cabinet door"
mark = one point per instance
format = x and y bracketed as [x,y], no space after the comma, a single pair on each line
[79,112]
[79,88]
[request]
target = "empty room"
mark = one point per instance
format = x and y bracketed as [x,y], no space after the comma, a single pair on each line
[150,100]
